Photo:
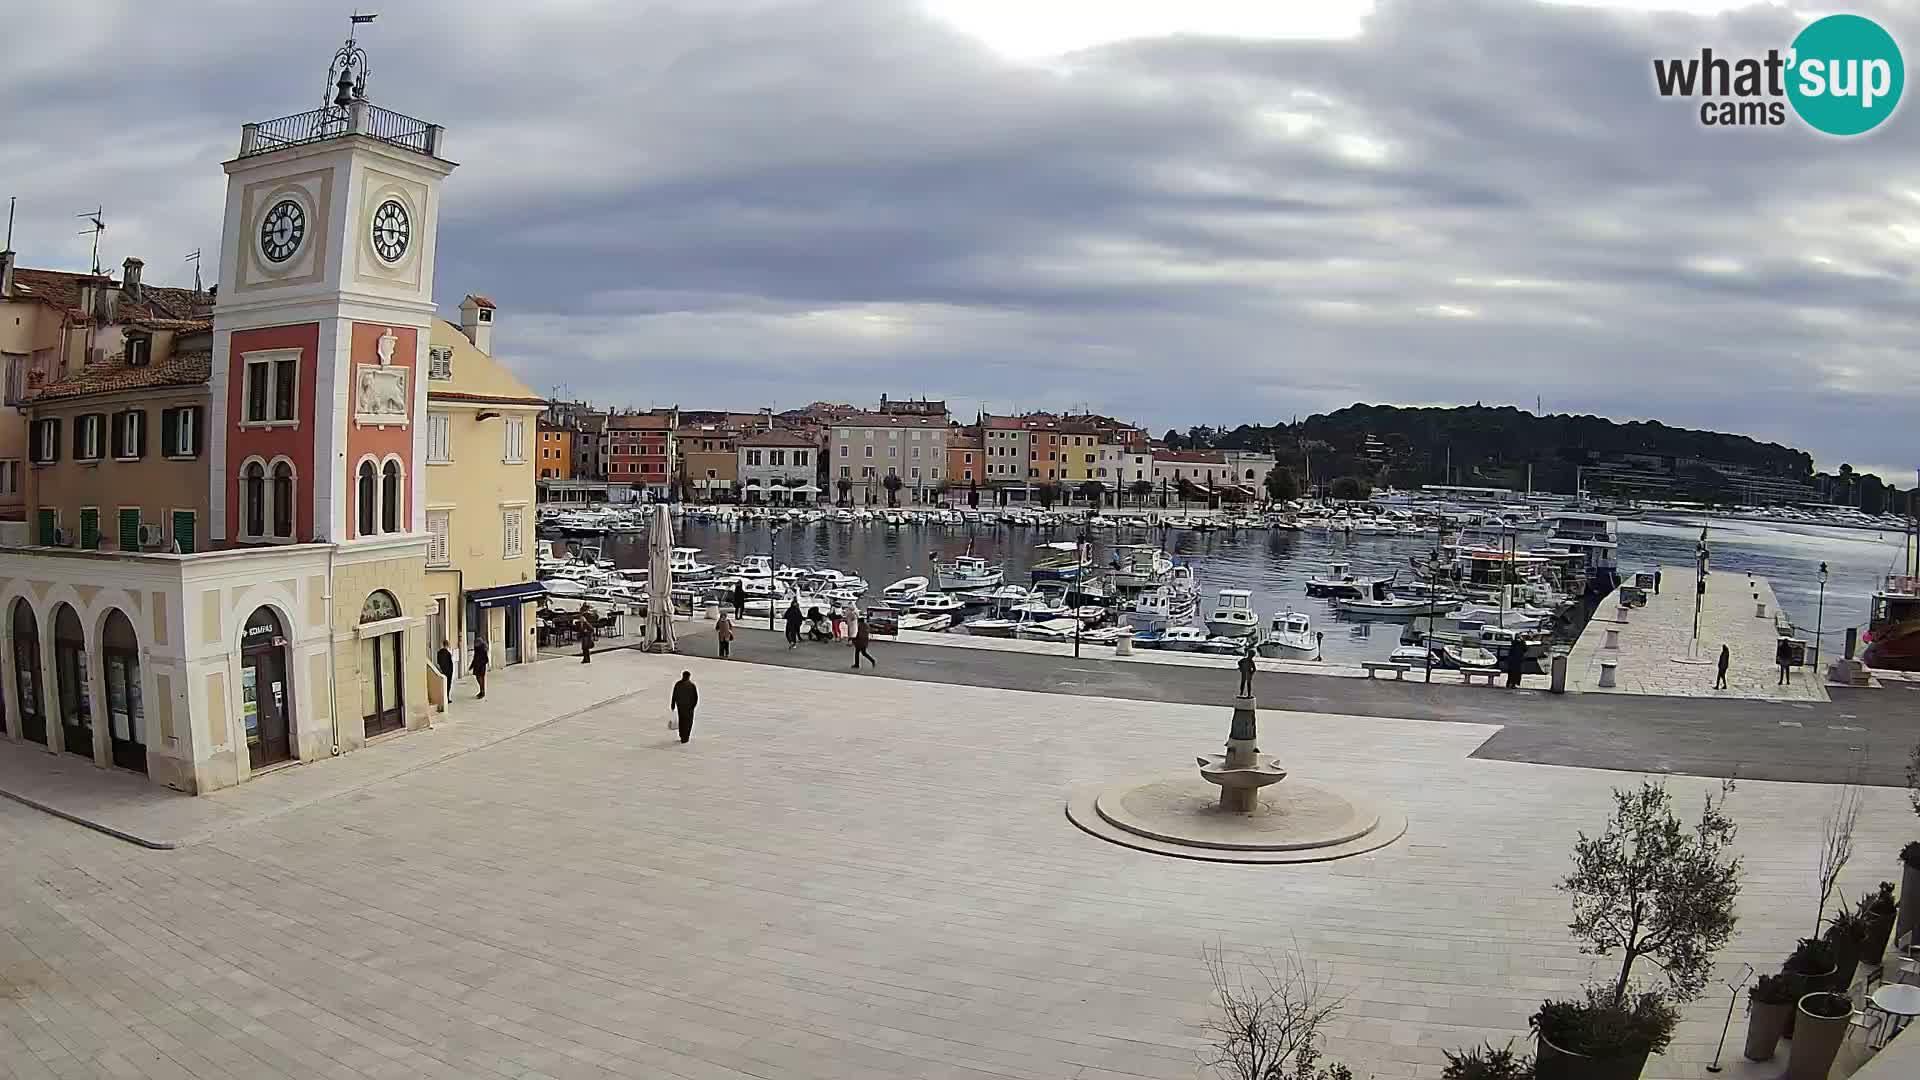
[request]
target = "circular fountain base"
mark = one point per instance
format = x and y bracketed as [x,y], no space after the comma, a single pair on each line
[1180,815]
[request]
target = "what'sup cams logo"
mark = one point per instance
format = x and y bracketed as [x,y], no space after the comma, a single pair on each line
[1842,75]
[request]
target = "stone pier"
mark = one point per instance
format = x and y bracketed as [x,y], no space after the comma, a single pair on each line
[1653,640]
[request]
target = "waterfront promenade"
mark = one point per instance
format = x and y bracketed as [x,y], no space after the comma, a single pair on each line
[1654,639]
[842,877]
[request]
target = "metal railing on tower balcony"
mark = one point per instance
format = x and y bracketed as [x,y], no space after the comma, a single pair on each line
[333,122]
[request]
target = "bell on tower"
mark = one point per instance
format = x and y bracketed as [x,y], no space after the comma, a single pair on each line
[347,76]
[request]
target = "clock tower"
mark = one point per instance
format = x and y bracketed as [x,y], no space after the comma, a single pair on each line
[317,423]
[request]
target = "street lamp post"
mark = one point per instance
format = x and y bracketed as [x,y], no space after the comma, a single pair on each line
[1699,588]
[1433,588]
[1820,619]
[1079,580]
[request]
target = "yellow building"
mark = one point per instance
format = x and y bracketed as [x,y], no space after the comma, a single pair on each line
[481,429]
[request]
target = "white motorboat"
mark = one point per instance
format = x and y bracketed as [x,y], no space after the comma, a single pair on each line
[1446,656]
[751,568]
[1233,614]
[1174,638]
[685,565]
[1041,628]
[970,572]
[999,597]
[1290,637]
[903,593]
[914,620]
[1106,635]
[1394,607]
[1140,566]
[824,581]
[934,603]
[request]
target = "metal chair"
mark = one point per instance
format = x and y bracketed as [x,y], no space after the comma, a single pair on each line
[1906,960]
[1868,1019]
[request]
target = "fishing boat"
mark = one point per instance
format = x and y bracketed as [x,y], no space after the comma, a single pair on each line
[685,565]
[903,593]
[1016,624]
[1233,614]
[970,572]
[1893,625]
[1106,635]
[1139,566]
[934,603]
[1000,596]
[1290,637]
[1337,583]
[1155,609]
[1382,604]
[914,620]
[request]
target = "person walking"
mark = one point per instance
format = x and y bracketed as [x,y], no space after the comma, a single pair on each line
[1783,655]
[740,600]
[685,697]
[793,623]
[862,637]
[1726,658]
[723,630]
[1516,659]
[1656,581]
[443,663]
[583,626]
[839,623]
[480,660]
[1246,673]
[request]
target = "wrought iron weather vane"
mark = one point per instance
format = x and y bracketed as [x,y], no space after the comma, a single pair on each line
[347,74]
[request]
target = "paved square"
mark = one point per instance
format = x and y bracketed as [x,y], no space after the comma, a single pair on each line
[841,877]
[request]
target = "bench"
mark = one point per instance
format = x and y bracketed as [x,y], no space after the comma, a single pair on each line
[1376,666]
[1467,675]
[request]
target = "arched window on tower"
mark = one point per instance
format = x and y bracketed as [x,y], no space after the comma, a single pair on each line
[253,500]
[283,500]
[368,498]
[390,498]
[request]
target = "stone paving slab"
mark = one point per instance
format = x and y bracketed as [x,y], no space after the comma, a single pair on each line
[1654,635]
[841,877]
[128,806]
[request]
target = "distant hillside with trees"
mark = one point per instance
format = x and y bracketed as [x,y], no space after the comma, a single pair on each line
[1486,446]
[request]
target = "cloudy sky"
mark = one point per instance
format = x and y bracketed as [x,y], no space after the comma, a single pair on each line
[1184,211]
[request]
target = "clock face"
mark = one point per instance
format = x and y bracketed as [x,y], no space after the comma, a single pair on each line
[391,230]
[282,230]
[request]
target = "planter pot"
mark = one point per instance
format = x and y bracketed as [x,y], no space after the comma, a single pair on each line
[1909,900]
[1804,983]
[1765,1023]
[1879,933]
[1553,1063]
[1846,960]
[1816,1045]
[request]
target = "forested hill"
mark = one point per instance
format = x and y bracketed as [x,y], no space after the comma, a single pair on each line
[1494,445]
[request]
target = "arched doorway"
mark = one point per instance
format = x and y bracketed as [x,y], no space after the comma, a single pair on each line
[26,673]
[126,716]
[382,691]
[70,679]
[265,705]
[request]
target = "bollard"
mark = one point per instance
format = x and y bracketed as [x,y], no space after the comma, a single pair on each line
[1613,639]
[1853,637]
[1123,645]
[1760,611]
[1608,670]
[1559,674]
[1622,615]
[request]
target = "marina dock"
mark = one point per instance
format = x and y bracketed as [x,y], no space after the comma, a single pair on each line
[1652,645]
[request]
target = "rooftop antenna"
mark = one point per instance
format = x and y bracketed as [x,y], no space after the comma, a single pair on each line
[11,199]
[99,226]
[194,258]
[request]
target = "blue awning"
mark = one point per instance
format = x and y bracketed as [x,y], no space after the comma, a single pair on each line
[518,593]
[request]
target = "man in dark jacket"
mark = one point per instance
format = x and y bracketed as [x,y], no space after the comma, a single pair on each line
[862,637]
[1783,655]
[1516,659]
[443,660]
[583,626]
[739,601]
[685,697]
[793,624]
[479,666]
[1726,658]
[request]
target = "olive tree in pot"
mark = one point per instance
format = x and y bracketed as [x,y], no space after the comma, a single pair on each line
[1847,933]
[1486,1063]
[1823,1026]
[1769,1002]
[1810,968]
[1649,885]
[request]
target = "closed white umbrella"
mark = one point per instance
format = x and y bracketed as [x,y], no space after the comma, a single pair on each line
[660,582]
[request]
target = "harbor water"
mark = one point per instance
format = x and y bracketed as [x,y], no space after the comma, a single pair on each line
[1275,565]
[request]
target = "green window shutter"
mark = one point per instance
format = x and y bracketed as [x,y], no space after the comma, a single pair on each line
[183,530]
[89,529]
[130,529]
[49,524]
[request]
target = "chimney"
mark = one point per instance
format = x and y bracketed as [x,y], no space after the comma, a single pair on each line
[130,279]
[476,321]
[6,274]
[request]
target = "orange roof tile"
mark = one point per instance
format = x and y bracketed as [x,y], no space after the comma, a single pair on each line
[182,369]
